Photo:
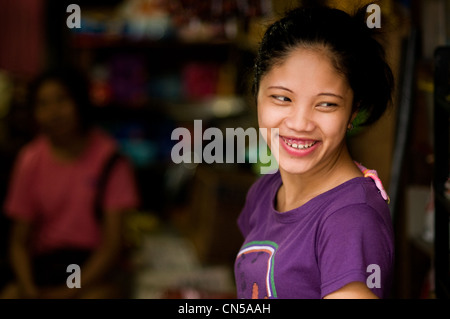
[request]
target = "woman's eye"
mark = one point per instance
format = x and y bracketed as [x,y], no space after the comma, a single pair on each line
[326,104]
[281,98]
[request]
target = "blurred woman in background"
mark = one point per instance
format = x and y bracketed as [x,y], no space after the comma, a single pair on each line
[53,193]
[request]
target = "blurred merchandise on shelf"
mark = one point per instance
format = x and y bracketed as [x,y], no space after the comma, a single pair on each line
[138,224]
[128,79]
[133,142]
[167,266]
[125,80]
[206,109]
[166,87]
[200,80]
[134,80]
[146,19]
[185,20]
[101,92]
[143,145]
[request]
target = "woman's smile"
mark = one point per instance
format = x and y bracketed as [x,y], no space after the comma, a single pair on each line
[298,146]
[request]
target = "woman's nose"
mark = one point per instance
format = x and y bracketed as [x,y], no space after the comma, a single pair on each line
[300,118]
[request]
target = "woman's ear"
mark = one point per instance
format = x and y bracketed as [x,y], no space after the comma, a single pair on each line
[350,125]
[354,114]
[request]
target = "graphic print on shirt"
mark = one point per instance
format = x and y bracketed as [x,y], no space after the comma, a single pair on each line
[255,266]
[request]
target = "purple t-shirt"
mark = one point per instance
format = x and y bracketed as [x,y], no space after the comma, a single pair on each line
[340,236]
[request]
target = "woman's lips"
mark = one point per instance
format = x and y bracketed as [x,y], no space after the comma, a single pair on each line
[298,146]
[298,143]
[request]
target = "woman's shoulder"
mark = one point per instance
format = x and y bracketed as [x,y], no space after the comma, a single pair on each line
[357,195]
[33,150]
[101,143]
[358,190]
[100,136]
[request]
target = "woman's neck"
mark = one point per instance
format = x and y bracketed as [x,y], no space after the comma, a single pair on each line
[68,148]
[297,189]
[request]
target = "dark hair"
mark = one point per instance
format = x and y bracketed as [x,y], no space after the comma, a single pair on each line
[354,49]
[77,85]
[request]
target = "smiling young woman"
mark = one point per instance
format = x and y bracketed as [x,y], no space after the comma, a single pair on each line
[316,227]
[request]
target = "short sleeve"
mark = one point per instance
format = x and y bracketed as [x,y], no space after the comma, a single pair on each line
[121,191]
[19,201]
[243,219]
[263,187]
[354,243]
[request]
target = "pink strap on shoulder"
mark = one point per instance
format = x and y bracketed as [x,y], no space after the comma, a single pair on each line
[373,174]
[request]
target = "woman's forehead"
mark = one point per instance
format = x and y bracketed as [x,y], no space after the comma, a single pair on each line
[307,69]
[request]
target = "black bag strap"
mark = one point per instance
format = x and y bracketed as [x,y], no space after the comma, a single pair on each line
[102,182]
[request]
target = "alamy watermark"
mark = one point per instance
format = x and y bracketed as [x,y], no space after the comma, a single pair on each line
[374,279]
[74,279]
[73,21]
[229,149]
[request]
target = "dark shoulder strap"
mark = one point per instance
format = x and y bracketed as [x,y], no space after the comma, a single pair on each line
[102,182]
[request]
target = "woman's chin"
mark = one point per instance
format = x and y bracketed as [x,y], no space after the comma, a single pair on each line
[293,167]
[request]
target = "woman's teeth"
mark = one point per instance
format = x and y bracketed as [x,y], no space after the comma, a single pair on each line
[298,145]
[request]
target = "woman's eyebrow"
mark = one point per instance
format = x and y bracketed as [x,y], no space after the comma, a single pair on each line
[330,94]
[281,88]
[320,94]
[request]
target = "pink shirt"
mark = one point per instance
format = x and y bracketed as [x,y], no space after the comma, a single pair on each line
[58,196]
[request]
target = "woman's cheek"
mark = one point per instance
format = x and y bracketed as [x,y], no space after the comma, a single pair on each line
[269,117]
[333,128]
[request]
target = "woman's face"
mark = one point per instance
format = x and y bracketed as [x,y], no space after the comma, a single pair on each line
[310,104]
[55,110]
